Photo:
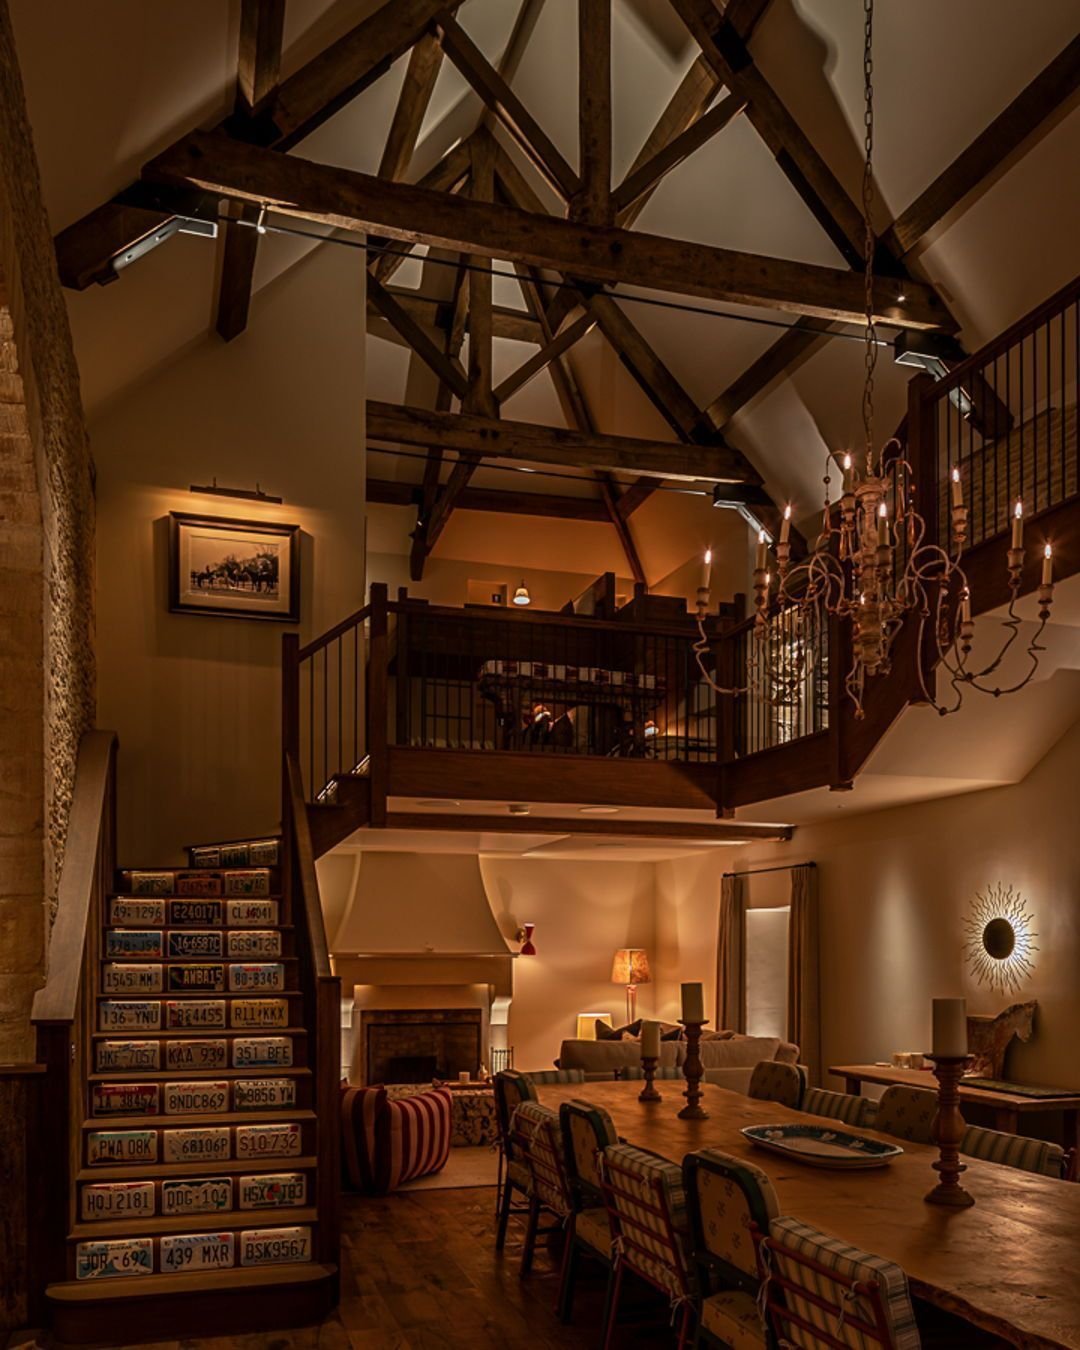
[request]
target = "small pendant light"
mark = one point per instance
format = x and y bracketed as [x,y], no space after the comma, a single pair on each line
[521,595]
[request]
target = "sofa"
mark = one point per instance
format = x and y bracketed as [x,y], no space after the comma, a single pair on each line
[729,1058]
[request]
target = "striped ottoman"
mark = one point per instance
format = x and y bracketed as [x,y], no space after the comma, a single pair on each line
[386,1143]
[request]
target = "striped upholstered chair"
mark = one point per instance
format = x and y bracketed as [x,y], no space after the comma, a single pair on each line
[541,1076]
[634,1073]
[773,1081]
[907,1113]
[729,1202]
[822,1292]
[647,1205]
[1011,1150]
[537,1139]
[587,1131]
[842,1106]
[388,1142]
[510,1089]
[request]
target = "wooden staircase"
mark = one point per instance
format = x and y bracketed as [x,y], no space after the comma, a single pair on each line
[198,1160]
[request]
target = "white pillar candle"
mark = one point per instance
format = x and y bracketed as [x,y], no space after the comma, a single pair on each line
[1018,525]
[693,1002]
[760,561]
[950,1028]
[650,1040]
[706,570]
[463,1076]
[883,526]
[785,525]
[848,474]
[957,488]
[1048,566]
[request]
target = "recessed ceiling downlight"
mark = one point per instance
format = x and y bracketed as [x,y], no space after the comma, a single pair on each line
[518,808]
[598,810]
[440,801]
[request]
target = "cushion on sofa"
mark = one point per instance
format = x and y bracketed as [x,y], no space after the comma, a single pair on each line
[606,1033]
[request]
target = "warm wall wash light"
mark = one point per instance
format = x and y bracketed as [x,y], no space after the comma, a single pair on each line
[1000,941]
[524,936]
[521,595]
[874,568]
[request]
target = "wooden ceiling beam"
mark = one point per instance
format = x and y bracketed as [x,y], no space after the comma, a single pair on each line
[345,199]
[745,15]
[637,494]
[792,347]
[984,159]
[303,101]
[645,831]
[449,174]
[593,201]
[548,355]
[446,368]
[425,61]
[609,495]
[496,500]
[501,439]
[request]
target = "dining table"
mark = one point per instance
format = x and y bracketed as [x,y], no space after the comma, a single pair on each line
[1009,1264]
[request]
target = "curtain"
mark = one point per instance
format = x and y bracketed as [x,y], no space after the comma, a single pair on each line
[804,989]
[731,956]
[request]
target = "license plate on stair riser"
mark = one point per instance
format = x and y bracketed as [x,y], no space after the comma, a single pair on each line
[129,1016]
[208,979]
[197,1145]
[107,1260]
[151,883]
[196,1014]
[262,978]
[129,911]
[256,882]
[260,1012]
[198,883]
[197,1251]
[262,1052]
[276,1190]
[251,913]
[121,1146]
[118,979]
[142,942]
[255,943]
[274,1246]
[194,942]
[113,1055]
[117,1200]
[263,1094]
[195,912]
[125,1099]
[268,1141]
[196,1099]
[201,1195]
[191,1055]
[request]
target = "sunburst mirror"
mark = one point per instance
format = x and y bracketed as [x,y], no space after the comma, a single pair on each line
[1000,941]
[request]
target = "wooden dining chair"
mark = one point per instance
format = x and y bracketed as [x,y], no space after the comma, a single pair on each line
[538,1139]
[587,1130]
[1013,1150]
[907,1113]
[773,1081]
[646,1203]
[728,1201]
[824,1294]
[854,1111]
[634,1073]
[510,1089]
[540,1077]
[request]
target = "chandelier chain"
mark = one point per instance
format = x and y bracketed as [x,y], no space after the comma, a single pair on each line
[868,229]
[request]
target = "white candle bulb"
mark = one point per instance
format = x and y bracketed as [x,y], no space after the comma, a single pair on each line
[847,473]
[883,526]
[1018,525]
[706,570]
[957,488]
[785,524]
[759,562]
[965,606]
[1048,566]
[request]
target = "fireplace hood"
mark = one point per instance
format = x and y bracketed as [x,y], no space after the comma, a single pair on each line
[418,904]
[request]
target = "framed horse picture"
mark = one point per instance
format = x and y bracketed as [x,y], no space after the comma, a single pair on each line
[235,569]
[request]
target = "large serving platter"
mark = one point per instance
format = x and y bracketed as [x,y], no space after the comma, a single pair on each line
[823,1146]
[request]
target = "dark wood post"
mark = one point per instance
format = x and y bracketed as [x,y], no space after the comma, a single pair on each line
[727,710]
[378,661]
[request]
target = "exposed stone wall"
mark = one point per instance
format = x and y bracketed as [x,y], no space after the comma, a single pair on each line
[46,564]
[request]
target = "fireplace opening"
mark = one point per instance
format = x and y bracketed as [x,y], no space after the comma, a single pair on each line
[416,1045]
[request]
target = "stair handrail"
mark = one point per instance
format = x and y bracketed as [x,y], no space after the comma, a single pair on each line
[90,834]
[300,831]
[339,629]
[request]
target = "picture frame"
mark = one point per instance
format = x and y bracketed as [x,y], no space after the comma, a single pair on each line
[231,568]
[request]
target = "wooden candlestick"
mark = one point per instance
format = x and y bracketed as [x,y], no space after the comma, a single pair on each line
[648,1093]
[693,1069]
[949,1132]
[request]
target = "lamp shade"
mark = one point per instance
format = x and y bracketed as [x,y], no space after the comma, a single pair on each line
[631,966]
[586,1024]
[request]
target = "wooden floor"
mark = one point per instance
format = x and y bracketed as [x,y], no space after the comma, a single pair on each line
[420,1270]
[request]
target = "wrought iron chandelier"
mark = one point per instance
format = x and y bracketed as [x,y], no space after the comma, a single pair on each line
[872,567]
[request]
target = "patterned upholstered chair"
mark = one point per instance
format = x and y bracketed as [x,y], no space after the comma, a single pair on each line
[842,1106]
[542,1076]
[634,1073]
[647,1206]
[510,1089]
[537,1139]
[822,1292]
[587,1131]
[729,1202]
[908,1113]
[387,1143]
[1011,1150]
[773,1081]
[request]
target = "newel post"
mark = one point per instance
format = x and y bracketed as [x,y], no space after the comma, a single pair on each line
[377,710]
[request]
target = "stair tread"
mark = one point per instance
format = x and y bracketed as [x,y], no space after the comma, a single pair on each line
[137,996]
[180,1076]
[200,960]
[150,1286]
[227,1220]
[283,1117]
[226,1167]
[200,1033]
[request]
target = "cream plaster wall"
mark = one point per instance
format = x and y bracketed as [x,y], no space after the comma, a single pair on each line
[894,888]
[196,700]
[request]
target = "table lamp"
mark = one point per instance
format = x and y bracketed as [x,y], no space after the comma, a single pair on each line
[631,968]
